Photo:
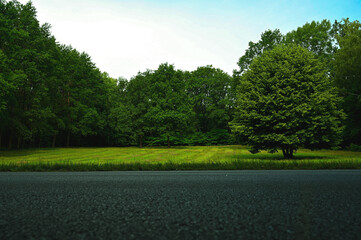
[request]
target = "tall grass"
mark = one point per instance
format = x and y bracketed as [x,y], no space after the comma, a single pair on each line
[177,158]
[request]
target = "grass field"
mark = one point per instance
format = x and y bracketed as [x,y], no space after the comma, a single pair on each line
[175,158]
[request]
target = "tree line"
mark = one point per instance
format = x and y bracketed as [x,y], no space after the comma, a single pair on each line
[301,89]
[52,95]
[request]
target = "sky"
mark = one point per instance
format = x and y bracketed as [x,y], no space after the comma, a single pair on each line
[124,37]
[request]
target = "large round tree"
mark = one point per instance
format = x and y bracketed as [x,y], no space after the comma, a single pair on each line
[285,101]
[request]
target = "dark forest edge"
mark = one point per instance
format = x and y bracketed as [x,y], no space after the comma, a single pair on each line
[53,96]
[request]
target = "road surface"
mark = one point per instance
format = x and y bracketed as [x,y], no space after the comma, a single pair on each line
[181,205]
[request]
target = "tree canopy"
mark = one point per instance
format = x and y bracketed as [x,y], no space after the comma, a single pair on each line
[285,101]
[212,99]
[269,39]
[317,37]
[169,110]
[347,75]
[53,95]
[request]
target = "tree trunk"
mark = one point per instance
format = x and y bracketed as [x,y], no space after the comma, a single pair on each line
[68,140]
[287,153]
[140,141]
[10,146]
[0,139]
[39,142]
[53,143]
[168,141]
[19,141]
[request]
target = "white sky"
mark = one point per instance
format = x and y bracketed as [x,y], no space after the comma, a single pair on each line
[125,37]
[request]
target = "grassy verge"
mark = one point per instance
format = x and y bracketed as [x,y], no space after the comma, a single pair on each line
[178,158]
[236,165]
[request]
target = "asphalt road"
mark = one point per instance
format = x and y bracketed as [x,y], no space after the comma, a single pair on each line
[181,205]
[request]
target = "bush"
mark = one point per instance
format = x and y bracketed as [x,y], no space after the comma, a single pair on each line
[355,147]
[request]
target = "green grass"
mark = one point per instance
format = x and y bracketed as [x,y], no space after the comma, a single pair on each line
[175,158]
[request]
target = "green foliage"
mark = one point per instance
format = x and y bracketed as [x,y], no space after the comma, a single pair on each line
[49,89]
[211,97]
[285,101]
[269,39]
[355,147]
[117,129]
[5,85]
[26,47]
[212,137]
[317,37]
[53,95]
[334,46]
[169,110]
[138,103]
[347,76]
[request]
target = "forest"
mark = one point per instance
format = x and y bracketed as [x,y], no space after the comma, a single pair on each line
[54,96]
